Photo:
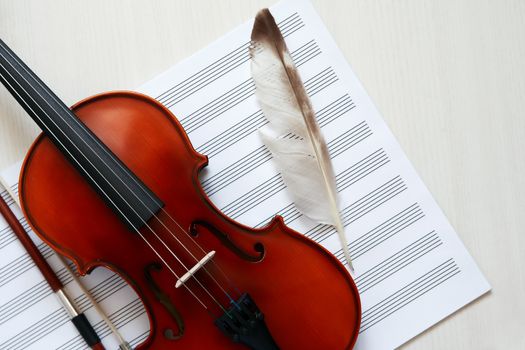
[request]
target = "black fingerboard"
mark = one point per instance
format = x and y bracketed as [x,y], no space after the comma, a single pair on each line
[126,194]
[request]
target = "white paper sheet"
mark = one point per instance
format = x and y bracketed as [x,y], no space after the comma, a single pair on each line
[411,268]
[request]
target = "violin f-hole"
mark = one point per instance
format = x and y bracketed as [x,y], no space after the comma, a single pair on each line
[166,302]
[226,241]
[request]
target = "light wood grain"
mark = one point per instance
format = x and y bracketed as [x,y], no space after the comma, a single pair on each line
[447,75]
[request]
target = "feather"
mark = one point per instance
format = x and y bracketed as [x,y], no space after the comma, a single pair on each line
[292,133]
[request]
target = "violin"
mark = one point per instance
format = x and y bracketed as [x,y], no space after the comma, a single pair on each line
[114,182]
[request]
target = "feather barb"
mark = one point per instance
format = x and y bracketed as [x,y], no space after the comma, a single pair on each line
[292,134]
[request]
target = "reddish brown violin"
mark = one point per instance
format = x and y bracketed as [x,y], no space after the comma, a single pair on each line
[114,183]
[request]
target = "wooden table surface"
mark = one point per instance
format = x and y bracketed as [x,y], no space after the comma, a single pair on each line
[448,76]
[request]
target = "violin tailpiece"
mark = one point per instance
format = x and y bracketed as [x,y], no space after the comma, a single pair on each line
[244,323]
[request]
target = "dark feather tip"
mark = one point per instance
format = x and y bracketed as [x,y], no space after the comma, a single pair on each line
[265,29]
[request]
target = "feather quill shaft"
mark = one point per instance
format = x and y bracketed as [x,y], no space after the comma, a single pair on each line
[292,134]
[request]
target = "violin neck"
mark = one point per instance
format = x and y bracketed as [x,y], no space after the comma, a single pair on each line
[131,200]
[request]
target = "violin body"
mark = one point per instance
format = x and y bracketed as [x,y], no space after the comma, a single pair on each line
[308,298]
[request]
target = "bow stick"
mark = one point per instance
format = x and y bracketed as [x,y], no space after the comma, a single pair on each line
[79,319]
[123,344]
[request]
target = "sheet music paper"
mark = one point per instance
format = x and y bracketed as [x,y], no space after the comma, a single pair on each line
[411,268]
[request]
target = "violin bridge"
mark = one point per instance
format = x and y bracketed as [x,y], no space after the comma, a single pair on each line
[194,269]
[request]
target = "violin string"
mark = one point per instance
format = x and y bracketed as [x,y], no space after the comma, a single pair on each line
[125,217]
[63,107]
[196,259]
[159,256]
[217,266]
